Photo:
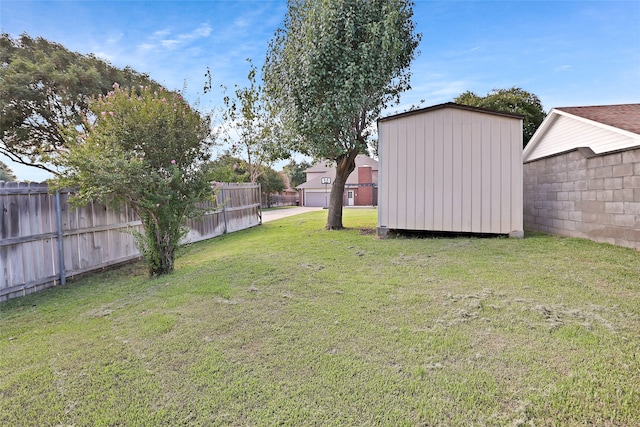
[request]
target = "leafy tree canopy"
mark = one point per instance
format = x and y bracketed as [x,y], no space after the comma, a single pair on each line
[331,70]
[251,130]
[145,147]
[46,88]
[227,168]
[513,100]
[296,172]
[271,182]
[6,174]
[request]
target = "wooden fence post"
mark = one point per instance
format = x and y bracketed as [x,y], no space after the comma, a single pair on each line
[63,276]
[260,200]
[224,209]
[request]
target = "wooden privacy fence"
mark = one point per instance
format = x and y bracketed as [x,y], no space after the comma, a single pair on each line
[43,240]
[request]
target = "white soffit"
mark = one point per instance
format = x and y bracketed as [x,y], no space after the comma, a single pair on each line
[529,152]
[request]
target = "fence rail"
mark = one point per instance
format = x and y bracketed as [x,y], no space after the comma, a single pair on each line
[43,240]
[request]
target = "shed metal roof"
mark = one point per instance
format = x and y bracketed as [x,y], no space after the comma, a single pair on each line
[450,105]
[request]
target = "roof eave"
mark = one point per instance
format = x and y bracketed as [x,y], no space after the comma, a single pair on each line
[552,117]
[537,136]
[599,124]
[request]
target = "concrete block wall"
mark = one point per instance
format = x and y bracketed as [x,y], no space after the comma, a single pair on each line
[582,194]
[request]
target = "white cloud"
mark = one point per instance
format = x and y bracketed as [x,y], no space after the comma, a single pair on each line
[170,44]
[436,88]
[241,22]
[203,31]
[104,55]
[145,47]
[115,38]
[166,39]
[161,33]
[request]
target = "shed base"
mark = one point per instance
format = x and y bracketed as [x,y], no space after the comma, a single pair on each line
[385,233]
[382,232]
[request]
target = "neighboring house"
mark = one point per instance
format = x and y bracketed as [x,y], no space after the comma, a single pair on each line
[451,168]
[582,174]
[361,188]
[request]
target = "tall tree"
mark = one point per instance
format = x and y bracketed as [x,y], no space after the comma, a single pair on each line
[250,130]
[146,147]
[271,183]
[6,174]
[227,168]
[296,172]
[46,88]
[331,70]
[513,100]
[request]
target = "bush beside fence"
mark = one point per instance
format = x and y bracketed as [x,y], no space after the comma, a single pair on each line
[37,227]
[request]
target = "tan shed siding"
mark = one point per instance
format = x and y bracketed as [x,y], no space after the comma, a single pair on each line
[467,177]
[424,198]
[389,181]
[517,179]
[506,171]
[501,198]
[438,170]
[485,186]
[383,202]
[410,171]
[457,173]
[421,174]
[568,133]
[448,171]
[383,196]
[476,173]
[400,166]
[451,170]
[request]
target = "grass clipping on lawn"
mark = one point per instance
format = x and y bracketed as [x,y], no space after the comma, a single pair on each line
[290,324]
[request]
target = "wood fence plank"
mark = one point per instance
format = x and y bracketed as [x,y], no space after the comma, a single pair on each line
[5,267]
[28,227]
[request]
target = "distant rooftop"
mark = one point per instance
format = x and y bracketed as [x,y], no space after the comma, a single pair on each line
[361,160]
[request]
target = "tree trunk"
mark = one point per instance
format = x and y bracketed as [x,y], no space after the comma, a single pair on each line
[345,164]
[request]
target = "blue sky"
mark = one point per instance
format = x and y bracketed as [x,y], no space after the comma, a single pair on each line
[569,53]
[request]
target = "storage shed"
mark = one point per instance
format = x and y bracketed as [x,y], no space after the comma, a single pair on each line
[451,168]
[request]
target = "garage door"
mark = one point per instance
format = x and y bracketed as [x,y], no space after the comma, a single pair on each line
[316,199]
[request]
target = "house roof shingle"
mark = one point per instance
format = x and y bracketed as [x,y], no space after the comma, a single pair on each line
[625,116]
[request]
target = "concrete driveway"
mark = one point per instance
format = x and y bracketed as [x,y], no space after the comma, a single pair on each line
[272,215]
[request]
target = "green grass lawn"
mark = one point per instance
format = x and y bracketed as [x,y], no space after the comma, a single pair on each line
[289,324]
